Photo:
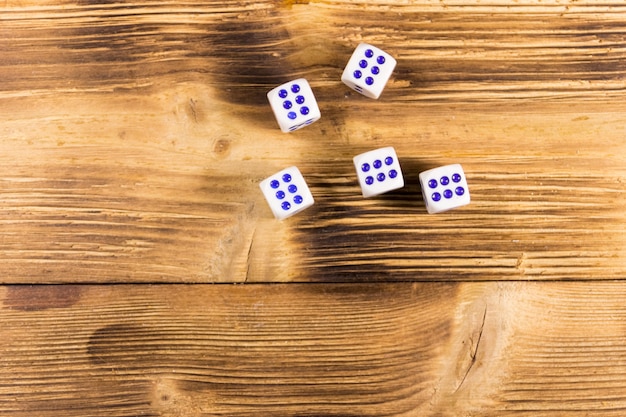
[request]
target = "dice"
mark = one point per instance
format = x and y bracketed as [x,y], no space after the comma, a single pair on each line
[378,171]
[444,188]
[286,193]
[368,70]
[294,105]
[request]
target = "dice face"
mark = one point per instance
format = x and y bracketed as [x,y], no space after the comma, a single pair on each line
[378,171]
[286,193]
[444,188]
[368,70]
[294,105]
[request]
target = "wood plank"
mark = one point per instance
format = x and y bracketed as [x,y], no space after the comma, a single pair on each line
[134,136]
[395,349]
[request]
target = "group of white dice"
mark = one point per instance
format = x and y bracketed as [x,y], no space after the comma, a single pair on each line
[378,171]
[367,72]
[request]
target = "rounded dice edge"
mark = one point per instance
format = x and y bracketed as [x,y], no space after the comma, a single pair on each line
[303,187]
[347,78]
[425,176]
[305,88]
[371,191]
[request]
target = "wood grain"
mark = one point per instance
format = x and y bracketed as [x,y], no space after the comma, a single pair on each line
[134,136]
[396,349]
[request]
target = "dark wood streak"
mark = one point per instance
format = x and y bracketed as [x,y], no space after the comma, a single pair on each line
[153,132]
[320,349]
[248,50]
[392,238]
[38,298]
[236,356]
[134,135]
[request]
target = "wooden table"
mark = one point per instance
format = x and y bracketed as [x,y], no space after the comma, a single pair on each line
[143,273]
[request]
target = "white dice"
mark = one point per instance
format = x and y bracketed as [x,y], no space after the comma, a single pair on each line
[286,193]
[444,188]
[294,105]
[368,70]
[378,171]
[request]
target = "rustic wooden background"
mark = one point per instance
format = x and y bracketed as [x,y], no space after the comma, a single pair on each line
[133,136]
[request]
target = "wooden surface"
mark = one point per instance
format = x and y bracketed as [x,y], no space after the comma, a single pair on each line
[133,136]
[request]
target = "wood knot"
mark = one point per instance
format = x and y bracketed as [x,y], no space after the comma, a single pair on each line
[221,148]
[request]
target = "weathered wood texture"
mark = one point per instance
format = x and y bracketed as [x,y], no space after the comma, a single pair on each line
[378,349]
[134,136]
